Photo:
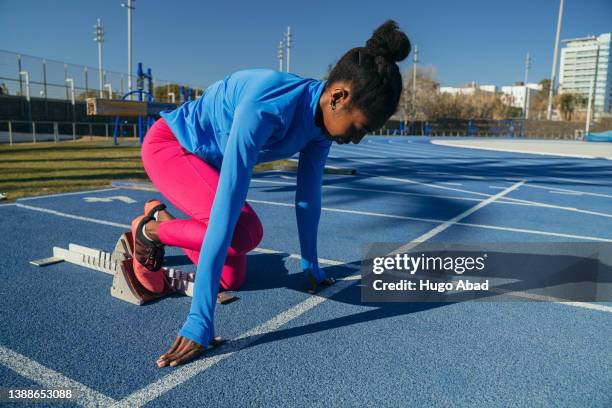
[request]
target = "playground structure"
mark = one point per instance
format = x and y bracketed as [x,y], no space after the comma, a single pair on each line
[143,108]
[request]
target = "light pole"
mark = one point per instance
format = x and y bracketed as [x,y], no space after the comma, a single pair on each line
[129,8]
[99,38]
[27,81]
[71,82]
[554,67]
[289,44]
[591,96]
[526,99]
[280,56]
[414,76]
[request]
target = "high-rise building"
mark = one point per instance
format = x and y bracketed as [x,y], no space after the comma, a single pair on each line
[585,62]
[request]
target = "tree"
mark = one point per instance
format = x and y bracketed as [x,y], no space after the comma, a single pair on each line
[567,103]
[539,105]
[162,93]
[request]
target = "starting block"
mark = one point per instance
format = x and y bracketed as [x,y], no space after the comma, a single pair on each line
[119,264]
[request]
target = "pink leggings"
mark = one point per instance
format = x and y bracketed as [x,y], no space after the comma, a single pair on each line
[190,184]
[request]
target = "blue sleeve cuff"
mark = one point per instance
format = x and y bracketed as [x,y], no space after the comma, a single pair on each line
[196,332]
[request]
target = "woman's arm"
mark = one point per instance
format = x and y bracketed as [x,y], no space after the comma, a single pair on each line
[308,203]
[252,125]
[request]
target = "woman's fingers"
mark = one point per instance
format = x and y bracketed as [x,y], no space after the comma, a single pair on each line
[172,348]
[182,351]
[186,356]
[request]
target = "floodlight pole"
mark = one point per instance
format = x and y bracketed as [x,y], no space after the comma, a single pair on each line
[129,8]
[554,67]
[27,81]
[414,75]
[71,82]
[280,56]
[526,99]
[99,38]
[591,94]
[288,35]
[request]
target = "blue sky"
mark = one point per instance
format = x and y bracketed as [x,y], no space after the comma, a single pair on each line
[199,42]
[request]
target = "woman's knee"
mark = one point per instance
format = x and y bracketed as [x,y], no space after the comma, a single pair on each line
[248,233]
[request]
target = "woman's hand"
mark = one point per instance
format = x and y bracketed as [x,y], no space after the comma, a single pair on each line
[183,351]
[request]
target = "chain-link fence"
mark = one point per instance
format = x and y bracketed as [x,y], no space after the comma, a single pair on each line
[52,79]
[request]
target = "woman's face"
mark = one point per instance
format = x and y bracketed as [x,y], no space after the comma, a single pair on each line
[341,124]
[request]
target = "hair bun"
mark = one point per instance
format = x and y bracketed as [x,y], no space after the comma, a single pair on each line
[389,42]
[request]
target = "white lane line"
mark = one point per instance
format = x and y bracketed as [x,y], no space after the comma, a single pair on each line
[535,203]
[379,191]
[449,183]
[522,175]
[68,194]
[431,220]
[401,217]
[445,225]
[568,190]
[552,299]
[353,212]
[49,378]
[504,200]
[74,217]
[535,232]
[565,192]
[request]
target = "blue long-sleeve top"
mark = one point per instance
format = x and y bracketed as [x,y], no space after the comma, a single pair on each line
[249,117]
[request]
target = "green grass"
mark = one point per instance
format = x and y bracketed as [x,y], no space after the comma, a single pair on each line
[48,168]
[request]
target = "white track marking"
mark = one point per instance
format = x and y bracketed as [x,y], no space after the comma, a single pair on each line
[68,194]
[445,225]
[535,203]
[552,299]
[521,230]
[431,220]
[74,217]
[379,191]
[568,190]
[504,200]
[565,192]
[124,199]
[449,183]
[49,378]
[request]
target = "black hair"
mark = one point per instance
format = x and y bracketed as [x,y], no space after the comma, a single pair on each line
[375,79]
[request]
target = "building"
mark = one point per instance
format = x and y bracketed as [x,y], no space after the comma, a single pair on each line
[470,89]
[585,63]
[515,95]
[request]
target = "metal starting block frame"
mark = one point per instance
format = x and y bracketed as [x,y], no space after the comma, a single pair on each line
[119,264]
